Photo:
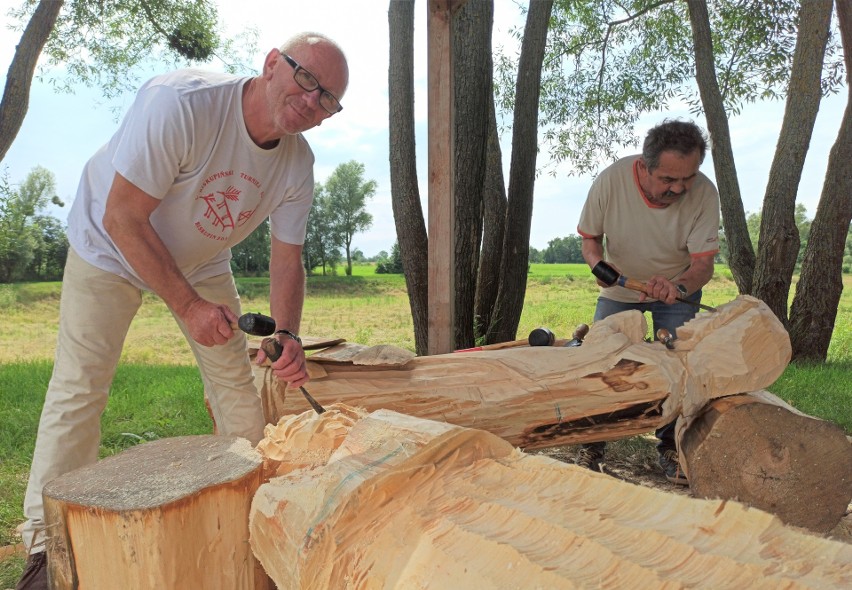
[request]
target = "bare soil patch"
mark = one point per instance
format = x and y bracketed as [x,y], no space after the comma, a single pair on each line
[634,460]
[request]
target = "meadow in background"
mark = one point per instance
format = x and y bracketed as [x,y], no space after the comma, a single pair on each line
[157,391]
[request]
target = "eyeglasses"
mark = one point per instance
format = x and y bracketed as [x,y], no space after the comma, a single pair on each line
[307,81]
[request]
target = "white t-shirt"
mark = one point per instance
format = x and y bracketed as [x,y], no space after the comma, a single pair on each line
[643,240]
[184,141]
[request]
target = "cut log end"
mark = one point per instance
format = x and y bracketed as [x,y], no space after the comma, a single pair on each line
[794,466]
[156,516]
[163,472]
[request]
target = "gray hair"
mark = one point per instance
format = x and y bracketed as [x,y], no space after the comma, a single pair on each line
[683,137]
[309,38]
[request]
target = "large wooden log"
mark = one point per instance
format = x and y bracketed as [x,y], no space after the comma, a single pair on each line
[615,385]
[171,513]
[759,450]
[392,501]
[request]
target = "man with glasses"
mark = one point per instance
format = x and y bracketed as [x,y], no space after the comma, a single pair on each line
[200,160]
[655,218]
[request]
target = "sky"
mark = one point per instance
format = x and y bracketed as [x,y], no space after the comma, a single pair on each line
[62,131]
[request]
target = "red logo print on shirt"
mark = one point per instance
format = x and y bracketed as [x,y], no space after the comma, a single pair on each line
[225,209]
[218,210]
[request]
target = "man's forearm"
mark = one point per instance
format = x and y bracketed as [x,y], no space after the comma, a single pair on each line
[592,250]
[697,275]
[287,286]
[286,303]
[126,220]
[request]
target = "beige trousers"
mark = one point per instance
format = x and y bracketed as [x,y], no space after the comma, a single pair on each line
[96,309]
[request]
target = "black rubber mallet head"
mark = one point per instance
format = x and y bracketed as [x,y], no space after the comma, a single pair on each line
[605,273]
[256,324]
[541,337]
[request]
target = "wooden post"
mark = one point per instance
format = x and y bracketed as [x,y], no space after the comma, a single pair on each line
[441,178]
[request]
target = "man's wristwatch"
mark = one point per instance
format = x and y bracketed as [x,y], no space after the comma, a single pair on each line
[290,334]
[681,289]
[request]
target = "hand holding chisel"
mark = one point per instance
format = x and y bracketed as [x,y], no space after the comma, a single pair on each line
[609,276]
[257,324]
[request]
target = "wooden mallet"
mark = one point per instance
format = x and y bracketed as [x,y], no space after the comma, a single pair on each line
[538,337]
[609,277]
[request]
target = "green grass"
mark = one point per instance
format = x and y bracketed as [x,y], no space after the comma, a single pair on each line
[146,403]
[157,391]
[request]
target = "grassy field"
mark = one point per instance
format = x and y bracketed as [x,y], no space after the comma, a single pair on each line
[157,391]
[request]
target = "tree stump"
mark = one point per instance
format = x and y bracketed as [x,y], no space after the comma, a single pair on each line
[756,449]
[402,502]
[171,513]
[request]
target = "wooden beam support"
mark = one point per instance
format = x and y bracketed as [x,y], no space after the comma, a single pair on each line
[441,227]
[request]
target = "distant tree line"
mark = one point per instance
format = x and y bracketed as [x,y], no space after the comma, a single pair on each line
[33,245]
[569,249]
[559,251]
[338,213]
[390,263]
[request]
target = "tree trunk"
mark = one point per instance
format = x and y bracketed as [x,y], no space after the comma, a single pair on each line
[19,77]
[516,245]
[778,246]
[740,252]
[494,220]
[814,308]
[472,26]
[171,513]
[615,385]
[405,194]
[392,501]
[349,258]
[764,453]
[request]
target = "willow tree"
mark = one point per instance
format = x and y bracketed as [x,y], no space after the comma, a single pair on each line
[102,44]
[611,62]
[405,194]
[814,308]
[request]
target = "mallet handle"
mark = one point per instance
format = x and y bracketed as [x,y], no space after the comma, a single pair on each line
[635,285]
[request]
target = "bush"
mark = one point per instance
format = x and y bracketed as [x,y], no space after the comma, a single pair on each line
[391,265]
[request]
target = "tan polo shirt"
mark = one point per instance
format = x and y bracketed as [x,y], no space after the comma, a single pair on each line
[643,240]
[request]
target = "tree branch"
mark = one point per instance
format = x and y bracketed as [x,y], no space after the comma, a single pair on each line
[645,10]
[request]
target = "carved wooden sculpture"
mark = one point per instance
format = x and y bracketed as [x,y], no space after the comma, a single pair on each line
[618,385]
[392,501]
[613,386]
